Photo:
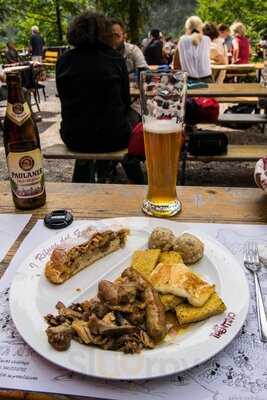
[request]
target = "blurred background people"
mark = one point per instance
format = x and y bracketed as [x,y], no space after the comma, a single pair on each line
[133,56]
[153,51]
[36,45]
[218,51]
[11,54]
[193,51]
[168,48]
[225,34]
[241,45]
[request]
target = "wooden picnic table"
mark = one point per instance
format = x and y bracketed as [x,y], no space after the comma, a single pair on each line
[94,201]
[222,90]
[230,90]
[246,91]
[237,67]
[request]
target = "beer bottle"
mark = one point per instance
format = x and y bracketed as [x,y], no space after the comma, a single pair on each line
[22,146]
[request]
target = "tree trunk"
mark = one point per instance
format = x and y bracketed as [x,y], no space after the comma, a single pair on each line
[58,22]
[98,6]
[134,20]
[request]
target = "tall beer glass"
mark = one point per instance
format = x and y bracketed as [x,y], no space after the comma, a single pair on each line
[163,106]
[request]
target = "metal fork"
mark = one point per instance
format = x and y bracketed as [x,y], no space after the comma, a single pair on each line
[251,262]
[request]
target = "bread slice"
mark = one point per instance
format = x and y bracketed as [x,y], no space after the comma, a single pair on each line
[144,261]
[67,260]
[186,313]
[170,257]
[179,280]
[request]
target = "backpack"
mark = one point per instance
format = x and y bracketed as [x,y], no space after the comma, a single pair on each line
[201,110]
[207,143]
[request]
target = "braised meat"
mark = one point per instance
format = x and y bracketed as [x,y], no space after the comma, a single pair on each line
[126,315]
[60,336]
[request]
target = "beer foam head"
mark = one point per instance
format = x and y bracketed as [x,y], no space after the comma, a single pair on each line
[161,126]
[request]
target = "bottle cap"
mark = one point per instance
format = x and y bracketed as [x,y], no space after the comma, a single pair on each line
[58,219]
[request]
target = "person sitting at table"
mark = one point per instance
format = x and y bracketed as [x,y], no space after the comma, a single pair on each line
[241,45]
[169,48]
[93,88]
[153,51]
[218,52]
[11,54]
[133,56]
[193,52]
[225,34]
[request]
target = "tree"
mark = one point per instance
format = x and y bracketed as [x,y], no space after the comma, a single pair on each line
[52,17]
[169,16]
[251,12]
[132,12]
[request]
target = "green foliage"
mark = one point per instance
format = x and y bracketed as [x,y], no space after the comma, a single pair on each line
[134,13]
[170,15]
[253,13]
[17,17]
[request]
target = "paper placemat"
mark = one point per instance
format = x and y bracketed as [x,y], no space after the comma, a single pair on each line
[237,373]
[11,225]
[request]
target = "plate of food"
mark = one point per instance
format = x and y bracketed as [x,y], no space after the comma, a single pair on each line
[129,298]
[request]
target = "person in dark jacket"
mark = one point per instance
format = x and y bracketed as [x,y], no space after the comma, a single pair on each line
[11,54]
[153,51]
[36,45]
[93,88]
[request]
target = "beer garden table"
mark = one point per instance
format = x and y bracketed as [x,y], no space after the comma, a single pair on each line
[222,90]
[94,201]
[237,67]
[230,90]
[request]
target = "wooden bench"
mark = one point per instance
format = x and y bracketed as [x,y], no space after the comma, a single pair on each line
[245,100]
[61,152]
[243,118]
[51,57]
[236,152]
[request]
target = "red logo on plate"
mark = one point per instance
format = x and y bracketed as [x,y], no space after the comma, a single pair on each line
[219,330]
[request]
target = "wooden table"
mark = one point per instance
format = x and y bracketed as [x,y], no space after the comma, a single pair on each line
[237,67]
[228,90]
[87,201]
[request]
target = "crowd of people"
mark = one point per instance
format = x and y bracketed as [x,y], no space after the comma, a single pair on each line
[12,56]
[92,78]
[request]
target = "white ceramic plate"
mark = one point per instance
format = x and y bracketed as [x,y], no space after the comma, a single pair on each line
[32,297]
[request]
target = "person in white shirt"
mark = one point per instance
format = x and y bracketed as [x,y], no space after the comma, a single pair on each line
[193,52]
[133,56]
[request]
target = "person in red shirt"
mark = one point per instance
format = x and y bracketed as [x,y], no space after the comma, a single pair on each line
[241,45]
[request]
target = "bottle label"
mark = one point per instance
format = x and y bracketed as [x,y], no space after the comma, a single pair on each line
[26,173]
[18,112]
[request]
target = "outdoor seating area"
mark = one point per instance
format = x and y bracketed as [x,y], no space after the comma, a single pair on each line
[133,200]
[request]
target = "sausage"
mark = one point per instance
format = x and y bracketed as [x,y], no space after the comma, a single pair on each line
[155,315]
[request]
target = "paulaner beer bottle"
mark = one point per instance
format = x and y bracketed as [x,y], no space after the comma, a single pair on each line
[22,146]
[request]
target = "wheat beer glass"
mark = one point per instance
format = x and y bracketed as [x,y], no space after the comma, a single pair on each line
[163,107]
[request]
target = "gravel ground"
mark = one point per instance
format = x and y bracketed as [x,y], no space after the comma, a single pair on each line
[199,174]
